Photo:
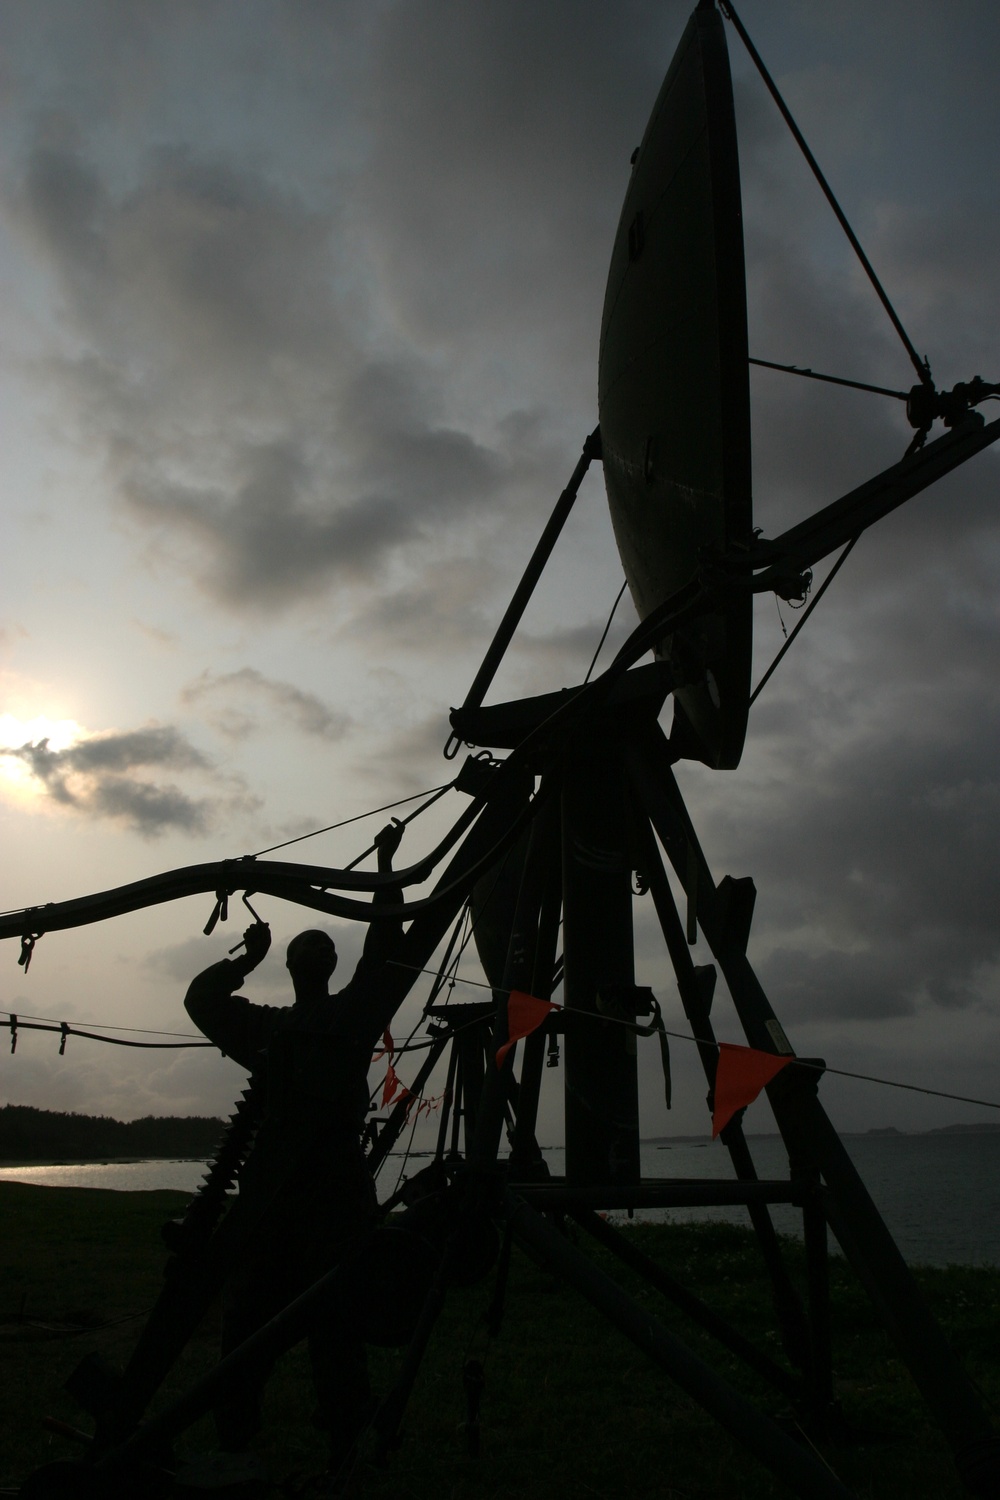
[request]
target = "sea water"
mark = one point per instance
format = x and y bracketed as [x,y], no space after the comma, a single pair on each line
[939,1194]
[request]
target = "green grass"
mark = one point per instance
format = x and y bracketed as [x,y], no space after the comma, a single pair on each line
[570,1407]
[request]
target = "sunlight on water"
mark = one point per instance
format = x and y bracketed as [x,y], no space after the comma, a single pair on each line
[123,1176]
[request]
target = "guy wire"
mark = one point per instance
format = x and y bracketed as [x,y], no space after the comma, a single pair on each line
[803,618]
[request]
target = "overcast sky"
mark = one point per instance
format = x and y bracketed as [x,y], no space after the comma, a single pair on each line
[300,309]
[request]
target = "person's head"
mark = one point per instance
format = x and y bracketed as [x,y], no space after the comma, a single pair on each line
[310,959]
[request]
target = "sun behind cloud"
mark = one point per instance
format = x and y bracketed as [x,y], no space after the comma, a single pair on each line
[16,777]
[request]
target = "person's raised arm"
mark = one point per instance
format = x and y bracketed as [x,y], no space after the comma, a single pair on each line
[227,1019]
[384,937]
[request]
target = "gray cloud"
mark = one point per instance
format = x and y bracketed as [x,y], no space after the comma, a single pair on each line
[238,412]
[305,711]
[94,777]
[866,820]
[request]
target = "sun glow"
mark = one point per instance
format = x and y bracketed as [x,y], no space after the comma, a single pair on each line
[15,733]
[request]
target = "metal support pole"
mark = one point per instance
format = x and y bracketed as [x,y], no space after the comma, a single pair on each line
[602,1093]
[818,1273]
[531,575]
[525,1155]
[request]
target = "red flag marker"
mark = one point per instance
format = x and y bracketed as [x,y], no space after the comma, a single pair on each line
[391,1086]
[739,1078]
[388,1046]
[525,1013]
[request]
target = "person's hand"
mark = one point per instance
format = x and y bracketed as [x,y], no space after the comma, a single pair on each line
[387,841]
[256,940]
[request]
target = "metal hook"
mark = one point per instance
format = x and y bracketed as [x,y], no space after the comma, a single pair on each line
[246,903]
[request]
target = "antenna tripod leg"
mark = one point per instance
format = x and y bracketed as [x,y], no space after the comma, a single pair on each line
[804,1473]
[812,1141]
[695,987]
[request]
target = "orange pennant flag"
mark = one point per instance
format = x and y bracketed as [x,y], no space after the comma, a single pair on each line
[525,1013]
[391,1086]
[739,1078]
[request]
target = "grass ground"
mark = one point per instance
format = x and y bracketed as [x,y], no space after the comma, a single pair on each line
[570,1408]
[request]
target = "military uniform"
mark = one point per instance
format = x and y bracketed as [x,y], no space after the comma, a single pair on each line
[305,1190]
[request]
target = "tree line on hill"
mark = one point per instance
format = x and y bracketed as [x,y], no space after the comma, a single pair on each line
[28,1134]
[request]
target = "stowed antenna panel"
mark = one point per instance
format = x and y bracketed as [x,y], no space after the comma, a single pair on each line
[673,383]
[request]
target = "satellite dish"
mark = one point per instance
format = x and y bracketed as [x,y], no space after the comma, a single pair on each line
[673,384]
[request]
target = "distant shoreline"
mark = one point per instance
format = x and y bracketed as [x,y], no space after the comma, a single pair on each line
[877,1131]
[31,1136]
[90,1161]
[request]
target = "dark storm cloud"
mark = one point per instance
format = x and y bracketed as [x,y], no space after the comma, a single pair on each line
[230,267]
[236,407]
[248,686]
[502,139]
[869,826]
[105,777]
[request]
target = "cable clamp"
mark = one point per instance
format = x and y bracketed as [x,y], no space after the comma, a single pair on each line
[28,941]
[220,912]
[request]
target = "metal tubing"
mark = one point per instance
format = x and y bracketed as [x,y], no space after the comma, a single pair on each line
[804,1473]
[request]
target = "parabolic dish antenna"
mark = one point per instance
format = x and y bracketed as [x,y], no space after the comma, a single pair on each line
[673,384]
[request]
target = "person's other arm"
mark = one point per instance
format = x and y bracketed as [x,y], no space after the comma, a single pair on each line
[384,937]
[239,1028]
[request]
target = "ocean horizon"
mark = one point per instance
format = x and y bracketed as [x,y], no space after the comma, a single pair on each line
[938,1190]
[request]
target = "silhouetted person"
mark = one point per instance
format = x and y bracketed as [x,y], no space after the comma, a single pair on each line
[305,1188]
